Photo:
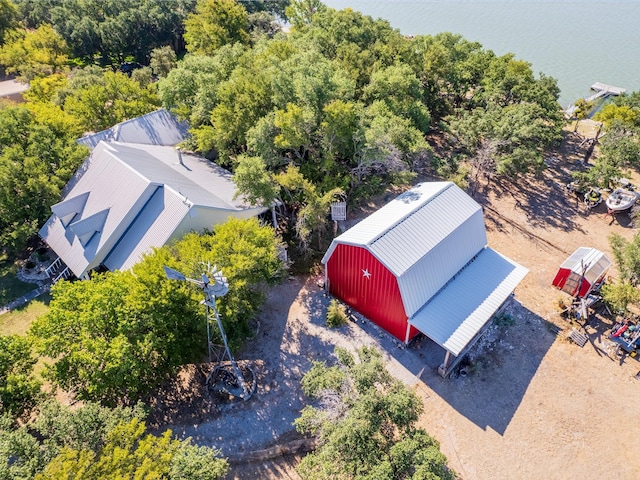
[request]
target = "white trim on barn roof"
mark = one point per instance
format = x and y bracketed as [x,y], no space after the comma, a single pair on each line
[455,315]
[390,232]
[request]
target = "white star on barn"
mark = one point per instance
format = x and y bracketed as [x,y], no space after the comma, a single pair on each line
[366,273]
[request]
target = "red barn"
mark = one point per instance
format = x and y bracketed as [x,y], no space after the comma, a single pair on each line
[421,264]
[582,271]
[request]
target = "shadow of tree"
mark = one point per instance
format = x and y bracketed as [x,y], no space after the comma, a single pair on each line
[286,343]
[498,374]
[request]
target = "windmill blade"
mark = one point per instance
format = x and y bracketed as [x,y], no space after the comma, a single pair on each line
[173,274]
[220,286]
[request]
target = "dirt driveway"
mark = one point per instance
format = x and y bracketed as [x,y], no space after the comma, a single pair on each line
[532,404]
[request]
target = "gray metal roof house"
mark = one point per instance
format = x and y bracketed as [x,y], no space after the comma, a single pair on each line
[132,197]
[159,127]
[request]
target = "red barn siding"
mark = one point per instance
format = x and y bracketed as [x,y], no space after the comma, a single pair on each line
[377,297]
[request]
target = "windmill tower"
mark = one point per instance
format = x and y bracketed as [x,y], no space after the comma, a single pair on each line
[226,377]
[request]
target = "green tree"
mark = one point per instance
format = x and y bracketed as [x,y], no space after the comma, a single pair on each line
[19,389]
[301,12]
[215,23]
[163,60]
[449,68]
[109,31]
[242,100]
[34,53]
[20,453]
[261,25]
[400,89]
[368,428]
[619,296]
[190,89]
[37,157]
[624,292]
[129,453]
[358,43]
[507,140]
[26,450]
[386,146]
[8,18]
[248,253]
[114,99]
[339,125]
[312,206]
[623,114]
[254,182]
[116,336]
[309,80]
[275,7]
[191,462]
[620,147]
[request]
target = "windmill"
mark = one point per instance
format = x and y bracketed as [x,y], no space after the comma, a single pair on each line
[227,376]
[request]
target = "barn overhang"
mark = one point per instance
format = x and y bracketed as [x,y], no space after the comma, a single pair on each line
[457,313]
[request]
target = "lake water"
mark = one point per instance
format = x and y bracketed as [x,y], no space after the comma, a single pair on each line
[578,42]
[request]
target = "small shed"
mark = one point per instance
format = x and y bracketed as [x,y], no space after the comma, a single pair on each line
[582,271]
[421,264]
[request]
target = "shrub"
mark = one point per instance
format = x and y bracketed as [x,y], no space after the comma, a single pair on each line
[504,320]
[336,314]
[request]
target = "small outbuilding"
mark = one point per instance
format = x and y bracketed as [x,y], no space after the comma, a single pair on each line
[579,274]
[421,264]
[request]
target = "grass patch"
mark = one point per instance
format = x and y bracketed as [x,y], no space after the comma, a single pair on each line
[10,287]
[18,321]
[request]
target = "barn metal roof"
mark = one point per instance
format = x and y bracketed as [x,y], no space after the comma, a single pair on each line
[455,315]
[411,225]
[131,187]
[155,128]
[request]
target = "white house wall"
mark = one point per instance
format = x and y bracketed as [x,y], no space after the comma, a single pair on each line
[201,218]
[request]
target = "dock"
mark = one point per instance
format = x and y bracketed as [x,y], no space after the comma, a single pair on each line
[609,89]
[601,90]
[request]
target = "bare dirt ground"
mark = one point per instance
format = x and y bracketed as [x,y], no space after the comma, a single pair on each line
[533,405]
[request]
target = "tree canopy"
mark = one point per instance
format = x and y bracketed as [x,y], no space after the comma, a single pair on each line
[367,426]
[109,31]
[215,23]
[19,390]
[117,336]
[37,157]
[94,442]
[35,53]
[349,101]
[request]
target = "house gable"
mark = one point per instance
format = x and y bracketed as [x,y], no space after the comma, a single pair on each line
[70,208]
